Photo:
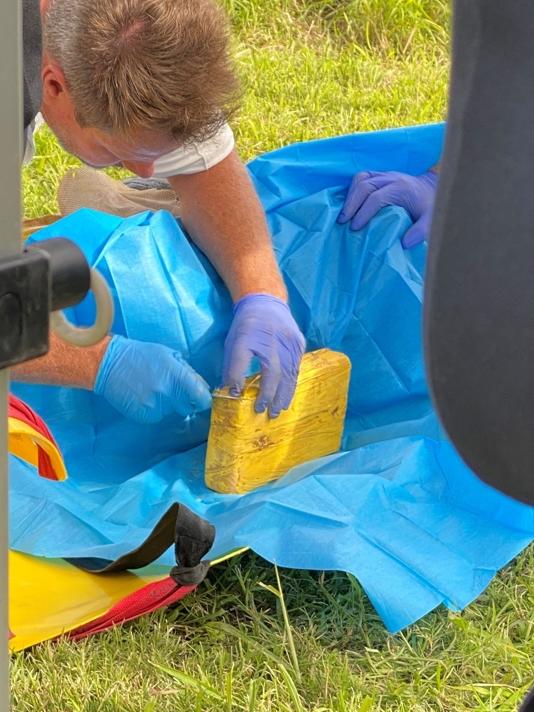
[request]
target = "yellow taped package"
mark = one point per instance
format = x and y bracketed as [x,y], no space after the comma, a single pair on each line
[247,449]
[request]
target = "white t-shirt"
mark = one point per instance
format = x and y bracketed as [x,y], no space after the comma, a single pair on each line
[195,158]
[29,143]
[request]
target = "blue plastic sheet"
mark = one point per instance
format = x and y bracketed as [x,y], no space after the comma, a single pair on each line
[397,508]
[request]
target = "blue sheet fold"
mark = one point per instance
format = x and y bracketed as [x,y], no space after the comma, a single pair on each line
[397,508]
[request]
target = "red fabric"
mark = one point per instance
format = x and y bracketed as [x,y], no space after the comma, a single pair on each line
[20,411]
[150,598]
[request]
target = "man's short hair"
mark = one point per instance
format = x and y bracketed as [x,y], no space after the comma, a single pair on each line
[144,64]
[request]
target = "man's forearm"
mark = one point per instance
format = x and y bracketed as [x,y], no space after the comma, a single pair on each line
[63,365]
[224,216]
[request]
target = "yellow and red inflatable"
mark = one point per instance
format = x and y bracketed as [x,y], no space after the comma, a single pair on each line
[51,597]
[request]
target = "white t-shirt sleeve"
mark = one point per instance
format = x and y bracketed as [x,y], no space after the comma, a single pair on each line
[29,144]
[196,157]
[29,141]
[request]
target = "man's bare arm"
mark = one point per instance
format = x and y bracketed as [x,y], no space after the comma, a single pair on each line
[225,218]
[63,365]
[143,381]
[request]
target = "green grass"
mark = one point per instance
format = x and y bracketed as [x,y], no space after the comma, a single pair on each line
[311,68]
[226,648]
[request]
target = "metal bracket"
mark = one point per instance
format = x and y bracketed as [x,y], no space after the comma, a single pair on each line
[46,277]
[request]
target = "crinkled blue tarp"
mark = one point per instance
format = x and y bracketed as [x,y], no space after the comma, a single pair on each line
[397,508]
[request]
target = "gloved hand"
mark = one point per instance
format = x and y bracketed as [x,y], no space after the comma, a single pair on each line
[145,381]
[370,191]
[263,327]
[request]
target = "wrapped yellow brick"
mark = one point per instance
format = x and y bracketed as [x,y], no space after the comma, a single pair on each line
[246,450]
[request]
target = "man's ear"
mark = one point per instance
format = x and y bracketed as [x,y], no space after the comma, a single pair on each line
[54,84]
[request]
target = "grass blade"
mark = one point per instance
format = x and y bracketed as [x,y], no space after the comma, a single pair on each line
[289,633]
[292,689]
[248,641]
[192,682]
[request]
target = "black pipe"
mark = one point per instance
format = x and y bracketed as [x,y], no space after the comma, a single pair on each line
[70,276]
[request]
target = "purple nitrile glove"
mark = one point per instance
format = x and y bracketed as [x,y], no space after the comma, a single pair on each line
[370,191]
[147,382]
[263,327]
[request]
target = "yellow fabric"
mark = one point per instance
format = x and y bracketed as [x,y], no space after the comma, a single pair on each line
[49,597]
[247,449]
[24,441]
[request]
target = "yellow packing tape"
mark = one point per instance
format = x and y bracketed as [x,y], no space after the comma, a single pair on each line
[247,449]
